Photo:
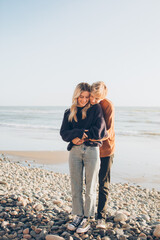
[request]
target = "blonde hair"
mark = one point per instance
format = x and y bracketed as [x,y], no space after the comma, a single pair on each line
[99,89]
[81,87]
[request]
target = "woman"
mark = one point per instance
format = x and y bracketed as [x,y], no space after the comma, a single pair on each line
[80,123]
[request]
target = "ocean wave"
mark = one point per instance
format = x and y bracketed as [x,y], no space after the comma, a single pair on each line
[29,126]
[137,133]
[151,134]
[41,110]
[32,112]
[124,132]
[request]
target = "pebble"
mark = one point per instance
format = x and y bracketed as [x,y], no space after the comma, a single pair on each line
[156,232]
[120,217]
[26,231]
[36,204]
[53,237]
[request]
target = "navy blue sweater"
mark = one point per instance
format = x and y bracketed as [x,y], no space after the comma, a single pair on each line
[94,123]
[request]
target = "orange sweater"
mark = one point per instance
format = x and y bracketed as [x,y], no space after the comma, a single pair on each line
[108,146]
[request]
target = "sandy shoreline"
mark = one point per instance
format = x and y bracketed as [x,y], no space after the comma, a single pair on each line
[40,157]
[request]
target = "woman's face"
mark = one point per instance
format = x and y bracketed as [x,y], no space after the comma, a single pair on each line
[83,99]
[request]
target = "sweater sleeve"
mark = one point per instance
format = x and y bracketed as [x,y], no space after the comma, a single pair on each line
[109,112]
[98,128]
[67,132]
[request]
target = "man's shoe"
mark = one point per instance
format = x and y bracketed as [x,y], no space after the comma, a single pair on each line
[101,224]
[84,226]
[75,223]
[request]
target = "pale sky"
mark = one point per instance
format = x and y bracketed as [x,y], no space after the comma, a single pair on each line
[47,47]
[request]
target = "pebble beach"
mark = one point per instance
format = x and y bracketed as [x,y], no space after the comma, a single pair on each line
[36,204]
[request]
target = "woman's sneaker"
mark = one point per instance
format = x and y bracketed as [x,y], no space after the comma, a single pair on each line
[75,223]
[84,226]
[101,224]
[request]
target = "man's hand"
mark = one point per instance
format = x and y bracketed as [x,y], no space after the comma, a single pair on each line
[85,134]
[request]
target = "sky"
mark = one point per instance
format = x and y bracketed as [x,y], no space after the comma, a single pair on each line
[47,47]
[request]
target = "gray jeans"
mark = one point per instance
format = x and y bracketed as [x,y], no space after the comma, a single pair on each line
[84,157]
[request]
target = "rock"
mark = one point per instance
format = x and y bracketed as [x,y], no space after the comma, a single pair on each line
[12,236]
[3,182]
[4,224]
[156,232]
[22,201]
[143,235]
[69,237]
[58,202]
[38,207]
[120,217]
[54,237]
[102,232]
[14,213]
[146,218]
[38,230]
[27,236]
[26,231]
[119,231]
[106,238]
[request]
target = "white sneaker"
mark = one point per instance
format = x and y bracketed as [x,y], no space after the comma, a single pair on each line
[84,226]
[101,224]
[75,223]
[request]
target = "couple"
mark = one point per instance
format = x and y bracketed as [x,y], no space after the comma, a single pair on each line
[88,126]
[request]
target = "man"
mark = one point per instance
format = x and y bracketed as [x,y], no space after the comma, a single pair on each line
[98,95]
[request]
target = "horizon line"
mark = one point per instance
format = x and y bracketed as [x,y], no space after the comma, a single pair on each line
[68,106]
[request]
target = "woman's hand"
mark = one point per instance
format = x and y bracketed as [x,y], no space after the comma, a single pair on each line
[77,141]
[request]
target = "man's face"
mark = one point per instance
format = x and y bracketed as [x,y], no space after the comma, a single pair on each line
[94,99]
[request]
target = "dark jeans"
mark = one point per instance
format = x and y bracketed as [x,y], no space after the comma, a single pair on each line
[104,182]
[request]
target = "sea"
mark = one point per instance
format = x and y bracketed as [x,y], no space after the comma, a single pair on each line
[137,129]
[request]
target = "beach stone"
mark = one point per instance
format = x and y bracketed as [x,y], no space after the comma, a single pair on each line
[4,224]
[64,234]
[122,237]
[119,231]
[58,202]
[33,234]
[120,217]
[85,236]
[3,182]
[54,237]
[27,236]
[38,230]
[22,201]
[26,231]
[69,237]
[156,232]
[126,226]
[38,207]
[106,238]
[20,224]
[143,235]
[98,237]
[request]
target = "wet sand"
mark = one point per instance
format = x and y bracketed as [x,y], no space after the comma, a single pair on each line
[143,173]
[40,157]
